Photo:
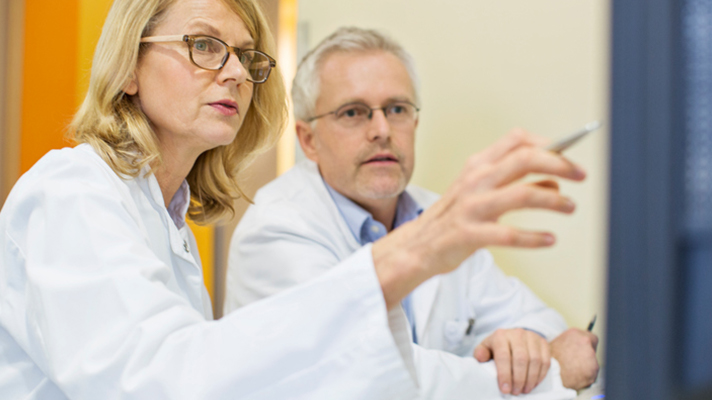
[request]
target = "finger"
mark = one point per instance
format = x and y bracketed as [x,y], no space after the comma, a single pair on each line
[489,206]
[503,362]
[520,364]
[515,139]
[547,184]
[492,234]
[594,340]
[482,353]
[535,346]
[523,161]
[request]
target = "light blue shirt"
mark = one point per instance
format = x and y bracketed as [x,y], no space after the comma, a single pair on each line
[367,230]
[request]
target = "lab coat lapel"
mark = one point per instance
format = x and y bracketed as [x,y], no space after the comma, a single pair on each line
[423,302]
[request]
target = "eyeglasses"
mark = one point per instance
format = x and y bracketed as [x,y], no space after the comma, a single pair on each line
[354,115]
[211,53]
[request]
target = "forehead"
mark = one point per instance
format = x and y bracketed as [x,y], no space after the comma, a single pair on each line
[372,77]
[207,17]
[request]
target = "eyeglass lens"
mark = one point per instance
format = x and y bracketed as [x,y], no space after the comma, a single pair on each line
[209,53]
[356,114]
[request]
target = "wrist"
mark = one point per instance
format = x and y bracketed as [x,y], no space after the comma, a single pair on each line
[399,264]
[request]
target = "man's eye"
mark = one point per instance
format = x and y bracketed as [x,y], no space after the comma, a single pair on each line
[353,112]
[396,109]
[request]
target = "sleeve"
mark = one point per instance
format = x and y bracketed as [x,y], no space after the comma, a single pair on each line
[445,376]
[87,299]
[500,301]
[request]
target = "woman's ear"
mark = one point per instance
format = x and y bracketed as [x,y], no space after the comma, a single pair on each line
[131,87]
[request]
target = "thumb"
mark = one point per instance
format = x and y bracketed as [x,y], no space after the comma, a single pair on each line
[482,352]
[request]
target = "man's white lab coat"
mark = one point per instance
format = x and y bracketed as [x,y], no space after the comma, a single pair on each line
[294,233]
[102,297]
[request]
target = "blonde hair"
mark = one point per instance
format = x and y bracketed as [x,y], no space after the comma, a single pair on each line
[121,133]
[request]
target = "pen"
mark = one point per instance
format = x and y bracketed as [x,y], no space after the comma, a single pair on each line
[592,323]
[571,139]
[470,324]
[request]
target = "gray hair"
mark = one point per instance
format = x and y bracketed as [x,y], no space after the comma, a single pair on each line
[305,88]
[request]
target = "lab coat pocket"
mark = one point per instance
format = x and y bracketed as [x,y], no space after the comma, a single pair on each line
[459,337]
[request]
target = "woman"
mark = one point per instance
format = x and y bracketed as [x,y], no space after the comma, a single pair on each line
[101,291]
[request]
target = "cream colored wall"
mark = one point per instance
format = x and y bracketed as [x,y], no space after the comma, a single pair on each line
[486,67]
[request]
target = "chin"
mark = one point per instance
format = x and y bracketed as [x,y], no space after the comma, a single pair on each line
[222,137]
[383,190]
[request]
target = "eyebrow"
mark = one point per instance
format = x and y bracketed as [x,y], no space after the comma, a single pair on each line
[207,29]
[388,100]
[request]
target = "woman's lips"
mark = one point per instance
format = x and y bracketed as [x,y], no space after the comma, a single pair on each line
[225,107]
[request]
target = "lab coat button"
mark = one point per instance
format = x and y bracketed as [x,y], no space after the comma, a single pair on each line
[185,246]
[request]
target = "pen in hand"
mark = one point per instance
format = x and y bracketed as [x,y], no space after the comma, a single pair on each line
[573,138]
[592,323]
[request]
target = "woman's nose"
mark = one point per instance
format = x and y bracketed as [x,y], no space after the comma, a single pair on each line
[233,70]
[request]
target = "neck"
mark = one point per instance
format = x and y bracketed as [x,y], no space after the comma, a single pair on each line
[383,210]
[171,174]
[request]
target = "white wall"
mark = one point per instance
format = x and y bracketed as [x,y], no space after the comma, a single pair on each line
[488,66]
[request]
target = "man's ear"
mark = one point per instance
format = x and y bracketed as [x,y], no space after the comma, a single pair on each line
[305,134]
[131,87]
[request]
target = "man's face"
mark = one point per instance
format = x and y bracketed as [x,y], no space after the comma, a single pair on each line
[373,160]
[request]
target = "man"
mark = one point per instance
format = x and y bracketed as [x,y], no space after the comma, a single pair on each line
[355,99]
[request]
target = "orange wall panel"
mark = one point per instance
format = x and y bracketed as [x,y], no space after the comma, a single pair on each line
[49,77]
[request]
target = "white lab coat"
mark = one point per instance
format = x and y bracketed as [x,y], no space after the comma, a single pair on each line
[294,233]
[102,297]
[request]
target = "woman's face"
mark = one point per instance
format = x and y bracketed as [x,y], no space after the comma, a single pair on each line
[192,109]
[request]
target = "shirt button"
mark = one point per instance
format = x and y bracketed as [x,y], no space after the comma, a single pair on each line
[185,246]
[374,229]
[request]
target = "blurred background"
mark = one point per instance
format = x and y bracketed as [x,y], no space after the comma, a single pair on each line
[485,67]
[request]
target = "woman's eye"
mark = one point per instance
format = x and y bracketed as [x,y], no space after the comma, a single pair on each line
[247,58]
[207,46]
[200,45]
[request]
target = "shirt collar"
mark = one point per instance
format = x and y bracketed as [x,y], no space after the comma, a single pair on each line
[179,204]
[178,207]
[361,223]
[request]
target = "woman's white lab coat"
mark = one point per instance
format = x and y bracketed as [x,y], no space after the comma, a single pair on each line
[102,297]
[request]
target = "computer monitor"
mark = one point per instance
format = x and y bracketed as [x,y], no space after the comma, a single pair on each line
[659,336]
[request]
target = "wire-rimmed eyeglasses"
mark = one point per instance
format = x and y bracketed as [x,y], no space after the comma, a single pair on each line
[211,53]
[353,115]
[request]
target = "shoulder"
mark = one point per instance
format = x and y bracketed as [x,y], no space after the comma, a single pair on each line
[299,183]
[298,192]
[297,202]
[62,184]
[74,168]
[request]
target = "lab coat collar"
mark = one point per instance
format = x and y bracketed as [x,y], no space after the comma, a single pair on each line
[181,244]
[332,211]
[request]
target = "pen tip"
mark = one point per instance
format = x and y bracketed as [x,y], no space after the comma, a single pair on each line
[593,125]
